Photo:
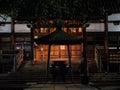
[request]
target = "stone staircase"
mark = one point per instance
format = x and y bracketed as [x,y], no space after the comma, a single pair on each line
[104,77]
[6,67]
[28,73]
[35,73]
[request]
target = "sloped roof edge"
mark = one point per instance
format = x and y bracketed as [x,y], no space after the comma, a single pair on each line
[59,37]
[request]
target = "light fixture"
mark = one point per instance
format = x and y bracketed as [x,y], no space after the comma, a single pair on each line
[29,25]
[116,22]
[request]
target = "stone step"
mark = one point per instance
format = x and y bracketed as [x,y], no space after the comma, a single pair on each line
[105,77]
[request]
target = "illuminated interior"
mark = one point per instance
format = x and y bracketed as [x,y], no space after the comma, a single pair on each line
[58,52]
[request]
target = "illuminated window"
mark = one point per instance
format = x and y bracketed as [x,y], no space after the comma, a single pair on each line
[79,29]
[74,30]
[35,37]
[62,47]
[64,29]
[52,29]
[41,30]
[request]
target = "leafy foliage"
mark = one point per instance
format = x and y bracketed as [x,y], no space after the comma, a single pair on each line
[49,9]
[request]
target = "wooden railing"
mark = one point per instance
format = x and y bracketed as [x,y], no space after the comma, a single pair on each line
[18,59]
[11,60]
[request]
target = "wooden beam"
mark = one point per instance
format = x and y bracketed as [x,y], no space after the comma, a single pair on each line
[12,34]
[106,40]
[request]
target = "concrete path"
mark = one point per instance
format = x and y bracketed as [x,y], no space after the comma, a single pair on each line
[60,87]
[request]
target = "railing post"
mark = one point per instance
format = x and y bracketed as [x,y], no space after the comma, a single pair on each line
[14,64]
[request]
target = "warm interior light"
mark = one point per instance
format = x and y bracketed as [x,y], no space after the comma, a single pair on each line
[35,37]
[74,30]
[79,29]
[62,47]
[41,30]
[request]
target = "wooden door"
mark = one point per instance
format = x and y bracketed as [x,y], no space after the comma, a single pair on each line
[58,51]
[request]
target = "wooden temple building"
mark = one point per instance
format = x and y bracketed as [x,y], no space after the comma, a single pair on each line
[40,40]
[95,48]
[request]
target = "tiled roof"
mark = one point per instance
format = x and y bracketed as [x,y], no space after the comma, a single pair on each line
[59,37]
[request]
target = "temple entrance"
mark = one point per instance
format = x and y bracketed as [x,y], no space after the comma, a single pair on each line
[58,52]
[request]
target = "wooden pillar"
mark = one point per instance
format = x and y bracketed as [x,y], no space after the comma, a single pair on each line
[32,45]
[69,60]
[69,56]
[12,34]
[106,40]
[85,67]
[13,42]
[85,49]
[48,62]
